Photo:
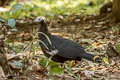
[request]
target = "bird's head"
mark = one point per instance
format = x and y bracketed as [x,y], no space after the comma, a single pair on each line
[43,24]
[40,19]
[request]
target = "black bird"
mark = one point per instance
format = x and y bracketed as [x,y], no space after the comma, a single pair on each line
[59,48]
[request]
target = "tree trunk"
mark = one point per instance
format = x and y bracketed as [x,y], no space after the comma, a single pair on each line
[116,10]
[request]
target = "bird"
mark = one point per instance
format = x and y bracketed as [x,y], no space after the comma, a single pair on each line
[59,48]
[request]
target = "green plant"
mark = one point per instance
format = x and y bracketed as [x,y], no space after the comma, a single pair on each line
[117,47]
[54,68]
[11,23]
[50,8]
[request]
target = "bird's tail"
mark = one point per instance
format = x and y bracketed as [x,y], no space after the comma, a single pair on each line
[92,57]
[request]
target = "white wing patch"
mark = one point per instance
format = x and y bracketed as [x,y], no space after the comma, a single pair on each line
[53,52]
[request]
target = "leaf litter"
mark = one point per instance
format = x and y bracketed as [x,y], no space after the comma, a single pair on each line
[94,39]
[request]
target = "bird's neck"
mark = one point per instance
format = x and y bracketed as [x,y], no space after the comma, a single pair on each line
[44,28]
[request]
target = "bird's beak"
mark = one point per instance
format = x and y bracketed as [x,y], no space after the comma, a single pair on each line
[36,20]
[39,19]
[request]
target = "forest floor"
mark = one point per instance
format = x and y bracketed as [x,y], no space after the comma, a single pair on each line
[94,36]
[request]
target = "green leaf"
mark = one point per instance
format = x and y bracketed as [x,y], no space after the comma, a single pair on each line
[56,70]
[9,41]
[69,64]
[43,61]
[11,23]
[16,11]
[2,19]
[117,47]
[16,49]
[17,6]
[70,72]
[53,64]
[106,60]
[26,72]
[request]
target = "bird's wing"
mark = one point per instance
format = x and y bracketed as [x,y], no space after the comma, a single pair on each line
[67,48]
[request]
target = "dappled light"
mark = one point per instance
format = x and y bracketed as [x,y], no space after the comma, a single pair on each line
[57,7]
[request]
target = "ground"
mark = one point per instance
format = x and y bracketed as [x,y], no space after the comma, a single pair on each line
[94,36]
